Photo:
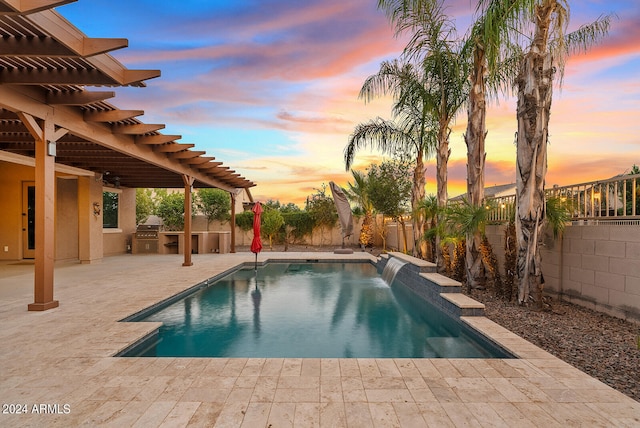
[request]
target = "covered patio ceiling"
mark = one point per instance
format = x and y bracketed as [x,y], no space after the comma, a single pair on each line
[46,66]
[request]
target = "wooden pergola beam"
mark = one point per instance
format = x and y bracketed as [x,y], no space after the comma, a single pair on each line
[30,46]
[31,6]
[136,129]
[79,98]
[111,115]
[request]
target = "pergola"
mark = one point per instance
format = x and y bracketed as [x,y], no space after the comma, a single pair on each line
[50,120]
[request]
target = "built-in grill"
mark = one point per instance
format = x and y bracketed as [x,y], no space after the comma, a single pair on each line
[145,239]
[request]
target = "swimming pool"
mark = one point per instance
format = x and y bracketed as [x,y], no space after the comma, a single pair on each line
[328,310]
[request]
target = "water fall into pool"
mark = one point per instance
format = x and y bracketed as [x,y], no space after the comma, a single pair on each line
[328,310]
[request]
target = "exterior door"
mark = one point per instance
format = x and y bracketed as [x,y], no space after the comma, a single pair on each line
[28,220]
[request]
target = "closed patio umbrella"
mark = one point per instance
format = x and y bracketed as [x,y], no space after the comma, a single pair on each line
[256,243]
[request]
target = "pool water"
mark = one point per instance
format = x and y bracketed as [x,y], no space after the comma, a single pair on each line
[319,310]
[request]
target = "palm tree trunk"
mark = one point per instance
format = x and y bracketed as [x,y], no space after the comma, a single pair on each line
[417,195]
[474,138]
[535,85]
[442,158]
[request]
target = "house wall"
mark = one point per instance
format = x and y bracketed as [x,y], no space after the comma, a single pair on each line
[78,231]
[11,178]
[597,266]
[115,241]
[66,235]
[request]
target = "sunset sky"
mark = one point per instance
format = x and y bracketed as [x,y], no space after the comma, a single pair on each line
[270,88]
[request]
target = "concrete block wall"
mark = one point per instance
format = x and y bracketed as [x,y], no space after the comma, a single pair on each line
[597,266]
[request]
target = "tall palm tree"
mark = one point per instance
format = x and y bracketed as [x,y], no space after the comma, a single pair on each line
[410,134]
[546,47]
[445,87]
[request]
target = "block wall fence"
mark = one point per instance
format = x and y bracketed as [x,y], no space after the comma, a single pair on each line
[596,266]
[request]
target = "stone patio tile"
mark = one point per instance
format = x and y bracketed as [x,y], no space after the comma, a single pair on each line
[175,389]
[388,395]
[108,410]
[234,367]
[460,415]
[291,367]
[368,367]
[486,415]
[620,411]
[388,368]
[256,415]
[445,368]
[349,368]
[358,415]
[426,368]
[329,367]
[508,390]
[204,417]
[465,368]
[240,395]
[353,389]
[331,389]
[383,415]
[512,415]
[245,382]
[206,394]
[529,389]
[415,383]
[310,367]
[297,395]
[383,383]
[484,368]
[299,382]
[537,415]
[215,366]
[435,415]
[575,414]
[282,415]
[445,395]
[479,395]
[406,367]
[253,367]
[332,414]
[231,415]
[265,389]
[272,367]
[409,415]
[307,415]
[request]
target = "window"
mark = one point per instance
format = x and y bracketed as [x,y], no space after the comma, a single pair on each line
[110,202]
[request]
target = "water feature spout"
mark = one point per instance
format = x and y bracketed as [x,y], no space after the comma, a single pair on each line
[391,269]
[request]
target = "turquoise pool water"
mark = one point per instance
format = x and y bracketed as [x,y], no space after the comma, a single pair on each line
[329,310]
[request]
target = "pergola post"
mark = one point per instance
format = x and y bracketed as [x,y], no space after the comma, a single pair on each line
[232,223]
[188,187]
[45,137]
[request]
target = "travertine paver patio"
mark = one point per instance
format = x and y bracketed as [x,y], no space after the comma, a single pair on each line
[62,359]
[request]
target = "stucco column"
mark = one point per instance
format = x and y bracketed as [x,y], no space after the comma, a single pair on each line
[90,246]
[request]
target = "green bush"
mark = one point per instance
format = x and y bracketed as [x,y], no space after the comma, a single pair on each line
[171,210]
[244,220]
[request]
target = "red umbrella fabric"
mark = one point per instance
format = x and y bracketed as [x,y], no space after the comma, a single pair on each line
[256,244]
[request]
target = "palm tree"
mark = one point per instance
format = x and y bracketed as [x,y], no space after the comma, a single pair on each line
[546,51]
[409,135]
[445,88]
[358,192]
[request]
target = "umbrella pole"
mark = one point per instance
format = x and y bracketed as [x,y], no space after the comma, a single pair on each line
[256,265]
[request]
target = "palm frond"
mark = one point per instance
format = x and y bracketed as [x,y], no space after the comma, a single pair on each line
[379,134]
